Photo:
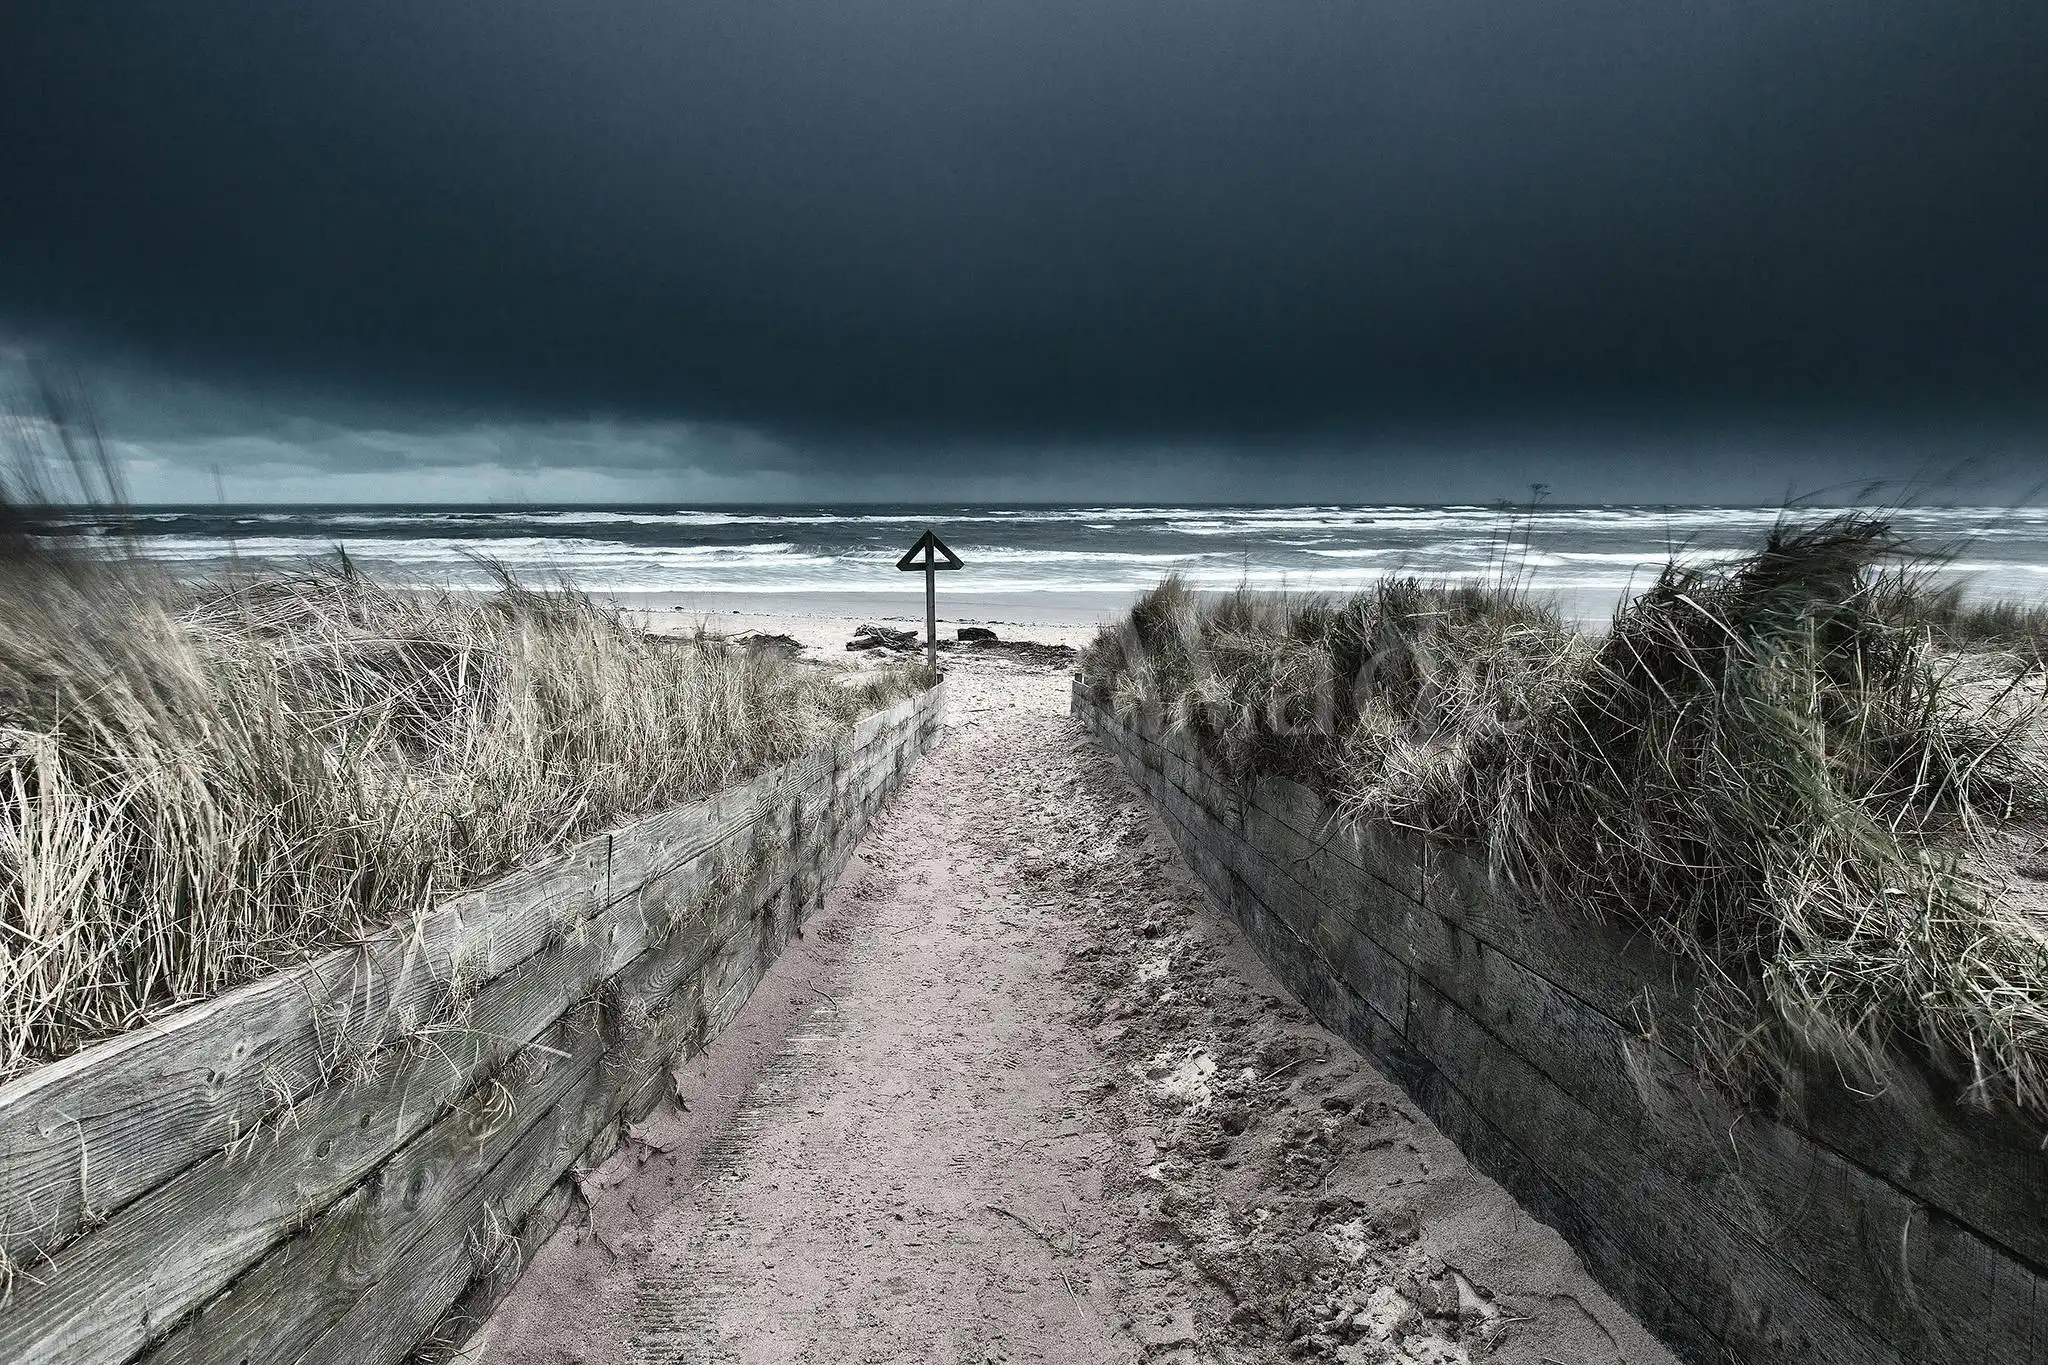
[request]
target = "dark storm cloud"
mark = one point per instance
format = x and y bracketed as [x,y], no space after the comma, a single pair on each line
[1063,219]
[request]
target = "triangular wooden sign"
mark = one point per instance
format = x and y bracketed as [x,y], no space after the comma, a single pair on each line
[929,553]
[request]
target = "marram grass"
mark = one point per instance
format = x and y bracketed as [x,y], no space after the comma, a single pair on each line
[1812,777]
[197,785]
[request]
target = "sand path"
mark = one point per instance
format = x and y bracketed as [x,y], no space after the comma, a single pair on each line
[1018,1096]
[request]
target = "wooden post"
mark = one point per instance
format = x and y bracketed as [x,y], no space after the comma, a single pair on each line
[931,555]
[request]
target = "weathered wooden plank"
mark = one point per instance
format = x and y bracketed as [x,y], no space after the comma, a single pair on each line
[1308,976]
[1857,1244]
[1293,804]
[311,1279]
[1330,926]
[1357,1018]
[1850,1243]
[195,1230]
[305,1284]
[373,1236]
[1627,971]
[97,1129]
[1568,1039]
[1382,851]
[1756,1306]
[91,1132]
[1224,803]
[464,1241]
[1300,969]
[1989,1170]
[1856,1239]
[104,1295]
[645,986]
[1380,907]
[642,988]
[1979,1170]
[455,1335]
[1860,1242]
[1617,969]
[1924,1283]
[1221,801]
[1162,771]
[1612,1265]
[892,717]
[1392,855]
[83,1136]
[93,1287]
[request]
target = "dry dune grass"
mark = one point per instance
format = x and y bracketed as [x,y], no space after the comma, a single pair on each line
[1805,771]
[197,784]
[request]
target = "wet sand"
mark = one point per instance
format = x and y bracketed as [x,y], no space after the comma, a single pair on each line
[1075,612]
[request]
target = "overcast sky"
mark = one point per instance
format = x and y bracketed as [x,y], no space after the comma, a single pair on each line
[1056,248]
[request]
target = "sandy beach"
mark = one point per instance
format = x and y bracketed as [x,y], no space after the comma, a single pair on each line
[1476,792]
[826,620]
[1021,1094]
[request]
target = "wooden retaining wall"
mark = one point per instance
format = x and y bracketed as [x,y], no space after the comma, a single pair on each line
[1856,1229]
[347,1161]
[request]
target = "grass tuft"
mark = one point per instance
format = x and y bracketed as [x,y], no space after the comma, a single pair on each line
[200,783]
[1806,772]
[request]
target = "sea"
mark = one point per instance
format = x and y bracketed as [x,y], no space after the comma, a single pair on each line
[1586,557]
